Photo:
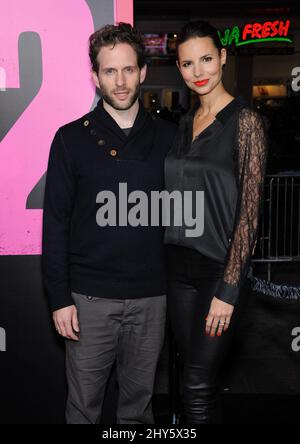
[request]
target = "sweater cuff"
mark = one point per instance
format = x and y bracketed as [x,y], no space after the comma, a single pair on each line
[62,301]
[227,293]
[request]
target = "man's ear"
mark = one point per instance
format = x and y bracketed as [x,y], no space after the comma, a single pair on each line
[143,73]
[95,79]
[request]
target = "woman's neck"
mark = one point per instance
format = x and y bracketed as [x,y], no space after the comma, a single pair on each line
[213,102]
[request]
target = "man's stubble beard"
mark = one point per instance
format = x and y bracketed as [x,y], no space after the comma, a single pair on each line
[111,101]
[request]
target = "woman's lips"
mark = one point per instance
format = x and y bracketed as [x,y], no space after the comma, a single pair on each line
[201,82]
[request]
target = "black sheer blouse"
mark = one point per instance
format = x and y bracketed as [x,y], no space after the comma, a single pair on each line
[227,162]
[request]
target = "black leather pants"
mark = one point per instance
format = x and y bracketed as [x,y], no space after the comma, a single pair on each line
[192,280]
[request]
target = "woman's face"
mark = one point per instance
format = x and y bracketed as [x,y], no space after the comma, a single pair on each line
[200,64]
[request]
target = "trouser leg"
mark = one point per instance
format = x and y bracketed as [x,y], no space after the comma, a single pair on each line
[89,361]
[202,355]
[140,342]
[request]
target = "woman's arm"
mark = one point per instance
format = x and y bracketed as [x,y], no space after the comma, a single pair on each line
[252,153]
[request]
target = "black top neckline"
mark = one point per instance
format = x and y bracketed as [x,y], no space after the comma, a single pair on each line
[224,114]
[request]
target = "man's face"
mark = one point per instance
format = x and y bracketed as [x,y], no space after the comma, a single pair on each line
[119,76]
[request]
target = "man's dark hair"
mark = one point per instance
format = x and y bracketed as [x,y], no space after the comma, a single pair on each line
[110,35]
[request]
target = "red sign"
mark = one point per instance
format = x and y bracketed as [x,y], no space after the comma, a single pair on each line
[265,30]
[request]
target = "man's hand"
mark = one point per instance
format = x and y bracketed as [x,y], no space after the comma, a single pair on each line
[218,318]
[66,322]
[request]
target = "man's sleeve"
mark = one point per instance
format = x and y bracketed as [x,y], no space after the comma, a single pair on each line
[58,206]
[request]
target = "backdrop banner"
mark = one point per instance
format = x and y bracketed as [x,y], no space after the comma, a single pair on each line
[45,82]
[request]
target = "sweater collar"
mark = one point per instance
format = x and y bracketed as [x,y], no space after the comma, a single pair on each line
[102,118]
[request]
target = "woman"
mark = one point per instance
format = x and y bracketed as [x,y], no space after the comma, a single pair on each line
[220,150]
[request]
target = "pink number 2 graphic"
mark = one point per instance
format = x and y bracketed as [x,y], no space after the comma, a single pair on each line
[47,89]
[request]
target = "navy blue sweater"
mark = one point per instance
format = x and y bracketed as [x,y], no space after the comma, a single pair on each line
[87,156]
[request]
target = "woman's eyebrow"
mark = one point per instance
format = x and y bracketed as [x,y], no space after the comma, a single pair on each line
[202,57]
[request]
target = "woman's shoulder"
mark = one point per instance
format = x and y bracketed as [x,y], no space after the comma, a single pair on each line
[250,120]
[187,118]
[247,113]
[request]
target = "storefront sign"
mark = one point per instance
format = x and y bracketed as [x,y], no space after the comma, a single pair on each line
[276,31]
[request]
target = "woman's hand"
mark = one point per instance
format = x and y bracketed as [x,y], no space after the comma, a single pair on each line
[218,318]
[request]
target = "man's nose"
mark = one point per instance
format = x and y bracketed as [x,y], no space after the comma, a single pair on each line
[120,79]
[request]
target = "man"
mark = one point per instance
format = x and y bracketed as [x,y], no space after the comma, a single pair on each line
[105,278]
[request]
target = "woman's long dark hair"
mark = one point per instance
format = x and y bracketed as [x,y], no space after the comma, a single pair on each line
[199,28]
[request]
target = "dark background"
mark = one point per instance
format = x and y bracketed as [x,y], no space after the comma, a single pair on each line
[32,388]
[261,378]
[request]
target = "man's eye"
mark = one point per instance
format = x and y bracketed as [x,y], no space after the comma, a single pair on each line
[109,71]
[207,59]
[129,69]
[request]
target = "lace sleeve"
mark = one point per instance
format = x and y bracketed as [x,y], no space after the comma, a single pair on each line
[251,156]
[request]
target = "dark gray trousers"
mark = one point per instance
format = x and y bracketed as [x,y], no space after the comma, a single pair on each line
[129,332]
